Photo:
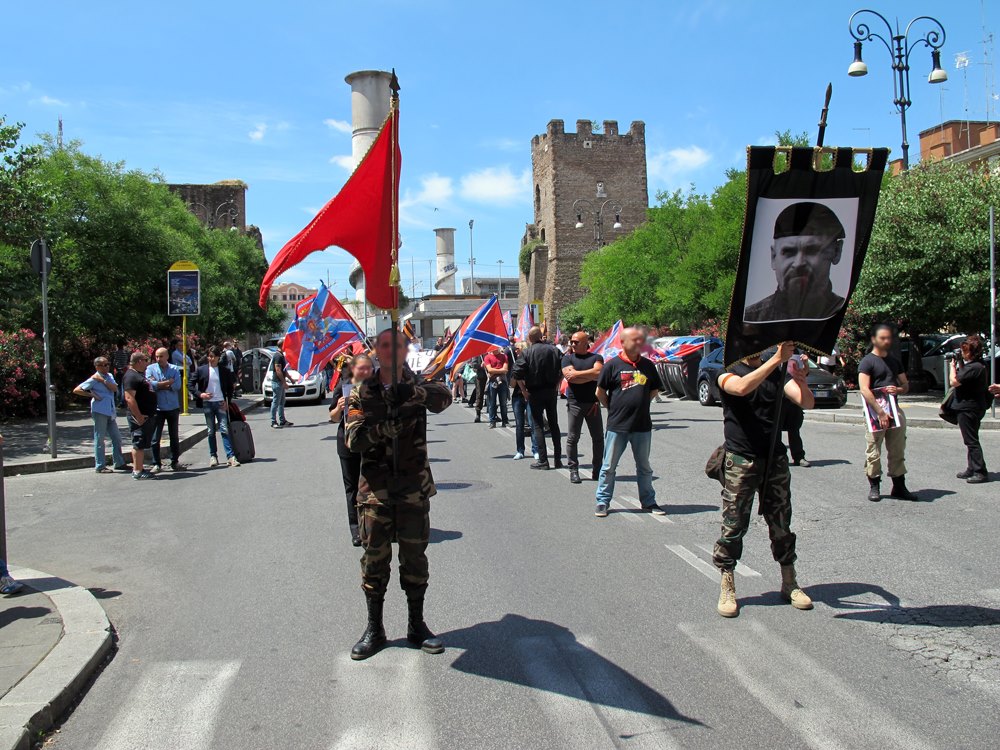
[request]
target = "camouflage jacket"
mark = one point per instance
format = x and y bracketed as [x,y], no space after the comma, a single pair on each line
[368,407]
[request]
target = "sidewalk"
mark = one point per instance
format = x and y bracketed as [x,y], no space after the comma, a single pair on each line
[55,636]
[921,410]
[25,449]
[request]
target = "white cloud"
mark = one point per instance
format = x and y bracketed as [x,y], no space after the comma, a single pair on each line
[506,144]
[435,190]
[17,88]
[344,162]
[50,101]
[497,185]
[673,168]
[257,134]
[417,209]
[341,126]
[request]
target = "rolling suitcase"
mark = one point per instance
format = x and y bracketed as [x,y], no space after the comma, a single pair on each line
[242,441]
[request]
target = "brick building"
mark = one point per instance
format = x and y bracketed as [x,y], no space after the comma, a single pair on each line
[288,295]
[605,168]
[964,141]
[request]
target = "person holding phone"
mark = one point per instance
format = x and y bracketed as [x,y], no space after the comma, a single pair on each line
[357,371]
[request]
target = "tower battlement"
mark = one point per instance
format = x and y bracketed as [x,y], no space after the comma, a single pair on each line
[589,170]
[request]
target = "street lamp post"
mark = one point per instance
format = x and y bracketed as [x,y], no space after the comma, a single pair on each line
[583,206]
[499,279]
[472,262]
[899,46]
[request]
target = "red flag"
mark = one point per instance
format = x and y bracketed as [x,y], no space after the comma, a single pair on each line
[359,219]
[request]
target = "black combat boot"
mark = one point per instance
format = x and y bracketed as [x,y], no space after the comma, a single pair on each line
[874,489]
[417,631]
[899,490]
[373,639]
[574,476]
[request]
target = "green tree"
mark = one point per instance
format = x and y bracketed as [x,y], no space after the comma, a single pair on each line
[928,261]
[114,232]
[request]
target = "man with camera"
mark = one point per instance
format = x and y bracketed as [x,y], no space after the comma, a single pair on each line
[880,371]
[970,399]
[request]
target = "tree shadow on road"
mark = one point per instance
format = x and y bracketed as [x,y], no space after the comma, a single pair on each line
[545,656]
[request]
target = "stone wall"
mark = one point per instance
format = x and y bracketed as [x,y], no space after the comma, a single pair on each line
[605,168]
[221,205]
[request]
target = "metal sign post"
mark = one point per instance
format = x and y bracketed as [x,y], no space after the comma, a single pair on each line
[993,308]
[183,299]
[41,262]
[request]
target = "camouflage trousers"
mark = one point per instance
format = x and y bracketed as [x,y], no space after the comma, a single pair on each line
[743,480]
[379,525]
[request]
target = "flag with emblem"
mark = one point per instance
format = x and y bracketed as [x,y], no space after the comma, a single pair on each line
[321,330]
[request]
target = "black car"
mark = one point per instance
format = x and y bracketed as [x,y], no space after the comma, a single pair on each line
[829,390]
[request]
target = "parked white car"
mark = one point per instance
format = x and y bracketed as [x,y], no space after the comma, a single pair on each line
[312,389]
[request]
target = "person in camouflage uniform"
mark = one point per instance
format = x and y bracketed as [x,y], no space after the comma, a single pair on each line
[393,505]
[749,391]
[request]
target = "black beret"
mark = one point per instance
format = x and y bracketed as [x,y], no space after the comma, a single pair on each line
[808,219]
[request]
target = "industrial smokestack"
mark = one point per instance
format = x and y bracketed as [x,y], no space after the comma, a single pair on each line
[446,270]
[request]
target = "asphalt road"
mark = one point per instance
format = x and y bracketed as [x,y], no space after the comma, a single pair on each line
[236,596]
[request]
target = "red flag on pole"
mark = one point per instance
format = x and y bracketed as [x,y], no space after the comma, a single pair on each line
[359,219]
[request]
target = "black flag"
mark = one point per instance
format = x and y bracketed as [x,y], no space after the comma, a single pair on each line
[804,240]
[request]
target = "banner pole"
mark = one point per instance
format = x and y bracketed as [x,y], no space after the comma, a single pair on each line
[993,308]
[184,364]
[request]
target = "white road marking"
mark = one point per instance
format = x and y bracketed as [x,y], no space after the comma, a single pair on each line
[587,701]
[741,568]
[618,505]
[635,504]
[391,682]
[694,561]
[808,699]
[175,705]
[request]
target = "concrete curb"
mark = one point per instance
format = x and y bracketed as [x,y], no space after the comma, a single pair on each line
[36,703]
[857,419]
[45,465]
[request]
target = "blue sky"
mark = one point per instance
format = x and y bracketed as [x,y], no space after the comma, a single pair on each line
[255,90]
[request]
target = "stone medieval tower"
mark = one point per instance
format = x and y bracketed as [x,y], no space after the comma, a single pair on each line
[603,169]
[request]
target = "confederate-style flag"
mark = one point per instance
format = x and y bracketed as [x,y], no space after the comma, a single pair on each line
[359,219]
[482,332]
[322,329]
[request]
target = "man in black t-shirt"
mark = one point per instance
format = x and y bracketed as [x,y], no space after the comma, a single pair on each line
[625,387]
[581,368]
[280,376]
[749,391]
[140,410]
[539,371]
[880,374]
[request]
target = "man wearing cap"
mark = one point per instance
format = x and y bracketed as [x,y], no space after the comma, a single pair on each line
[808,240]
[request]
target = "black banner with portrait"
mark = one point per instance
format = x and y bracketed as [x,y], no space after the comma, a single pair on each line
[805,236]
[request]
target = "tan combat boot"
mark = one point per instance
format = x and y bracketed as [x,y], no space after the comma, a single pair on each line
[790,590]
[727,597]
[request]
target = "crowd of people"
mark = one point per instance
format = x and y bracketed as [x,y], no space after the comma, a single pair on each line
[613,399]
[150,393]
